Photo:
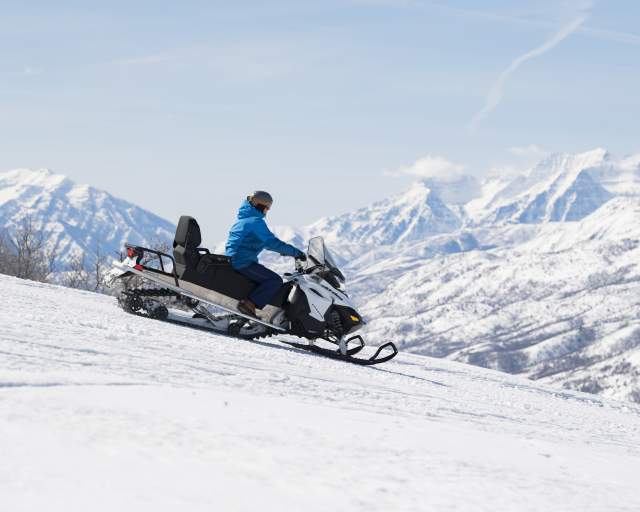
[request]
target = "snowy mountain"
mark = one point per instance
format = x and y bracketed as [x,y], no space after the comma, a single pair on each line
[559,188]
[455,190]
[76,218]
[563,307]
[101,410]
[537,274]
[620,177]
[407,218]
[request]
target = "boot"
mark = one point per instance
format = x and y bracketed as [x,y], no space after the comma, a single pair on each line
[247,307]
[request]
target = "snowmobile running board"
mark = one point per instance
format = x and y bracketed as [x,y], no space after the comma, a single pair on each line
[150,276]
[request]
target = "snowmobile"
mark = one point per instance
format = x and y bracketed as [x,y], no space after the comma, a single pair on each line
[311,304]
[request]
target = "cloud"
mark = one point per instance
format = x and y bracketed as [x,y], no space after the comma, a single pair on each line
[524,19]
[29,70]
[25,71]
[430,167]
[158,58]
[530,151]
[611,35]
[252,61]
[497,89]
[506,171]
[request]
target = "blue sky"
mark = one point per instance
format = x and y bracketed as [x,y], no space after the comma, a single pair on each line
[184,107]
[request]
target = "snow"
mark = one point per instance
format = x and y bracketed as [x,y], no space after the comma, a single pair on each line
[100,410]
[489,189]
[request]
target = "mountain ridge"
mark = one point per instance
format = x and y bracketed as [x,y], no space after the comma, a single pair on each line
[76,219]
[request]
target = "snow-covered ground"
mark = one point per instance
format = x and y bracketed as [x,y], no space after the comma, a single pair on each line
[100,410]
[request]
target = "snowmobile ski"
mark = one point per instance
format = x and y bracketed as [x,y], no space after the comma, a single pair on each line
[349,356]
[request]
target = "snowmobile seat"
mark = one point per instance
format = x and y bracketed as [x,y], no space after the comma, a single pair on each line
[213,271]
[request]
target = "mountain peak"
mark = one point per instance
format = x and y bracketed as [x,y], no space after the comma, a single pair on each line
[31,177]
[74,218]
[569,163]
[406,217]
[599,153]
[455,190]
[418,190]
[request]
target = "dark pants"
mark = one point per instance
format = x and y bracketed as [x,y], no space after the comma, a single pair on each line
[268,283]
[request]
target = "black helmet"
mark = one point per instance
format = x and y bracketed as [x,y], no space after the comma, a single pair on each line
[261,198]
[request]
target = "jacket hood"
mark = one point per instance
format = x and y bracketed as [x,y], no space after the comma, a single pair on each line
[247,210]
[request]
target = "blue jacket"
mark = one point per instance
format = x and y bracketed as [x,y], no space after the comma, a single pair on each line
[249,236]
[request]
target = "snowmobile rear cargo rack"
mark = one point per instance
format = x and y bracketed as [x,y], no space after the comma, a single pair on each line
[138,252]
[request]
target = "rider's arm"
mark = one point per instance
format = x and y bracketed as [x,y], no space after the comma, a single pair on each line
[272,242]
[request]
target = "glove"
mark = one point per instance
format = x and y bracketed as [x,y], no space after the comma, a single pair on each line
[301,256]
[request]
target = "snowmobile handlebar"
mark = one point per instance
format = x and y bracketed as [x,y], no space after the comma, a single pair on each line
[301,270]
[300,266]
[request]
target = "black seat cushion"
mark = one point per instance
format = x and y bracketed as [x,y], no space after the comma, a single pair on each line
[212,260]
[222,279]
[215,272]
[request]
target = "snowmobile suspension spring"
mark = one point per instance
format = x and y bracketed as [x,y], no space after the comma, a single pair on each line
[335,324]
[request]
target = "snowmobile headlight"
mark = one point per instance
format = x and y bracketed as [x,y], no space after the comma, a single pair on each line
[354,318]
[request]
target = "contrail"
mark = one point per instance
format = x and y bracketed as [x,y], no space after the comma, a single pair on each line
[495,93]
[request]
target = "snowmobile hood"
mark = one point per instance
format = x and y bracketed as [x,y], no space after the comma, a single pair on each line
[247,210]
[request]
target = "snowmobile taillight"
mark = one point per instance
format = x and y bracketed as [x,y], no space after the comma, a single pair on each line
[131,252]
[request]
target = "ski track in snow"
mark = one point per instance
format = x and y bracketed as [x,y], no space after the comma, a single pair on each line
[101,410]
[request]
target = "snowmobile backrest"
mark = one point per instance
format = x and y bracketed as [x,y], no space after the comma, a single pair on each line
[188,233]
[185,244]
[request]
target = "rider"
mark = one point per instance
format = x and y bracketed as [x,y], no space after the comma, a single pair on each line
[248,237]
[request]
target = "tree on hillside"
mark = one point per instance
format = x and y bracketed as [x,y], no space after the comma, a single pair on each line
[24,253]
[87,276]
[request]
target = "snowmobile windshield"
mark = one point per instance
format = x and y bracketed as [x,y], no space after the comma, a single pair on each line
[320,255]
